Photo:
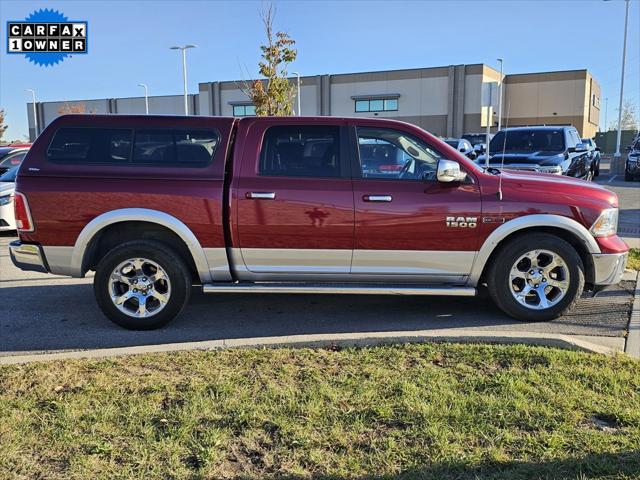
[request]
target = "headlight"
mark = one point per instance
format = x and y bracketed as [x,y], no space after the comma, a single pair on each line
[5,200]
[554,169]
[606,224]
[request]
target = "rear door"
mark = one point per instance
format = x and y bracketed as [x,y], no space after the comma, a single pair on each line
[407,224]
[293,200]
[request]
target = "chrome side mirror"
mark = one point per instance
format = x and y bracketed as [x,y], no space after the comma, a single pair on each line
[580,147]
[449,171]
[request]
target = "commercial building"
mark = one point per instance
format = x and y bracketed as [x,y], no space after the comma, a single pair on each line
[446,101]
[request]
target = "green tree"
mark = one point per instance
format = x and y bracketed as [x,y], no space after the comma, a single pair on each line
[275,95]
[3,126]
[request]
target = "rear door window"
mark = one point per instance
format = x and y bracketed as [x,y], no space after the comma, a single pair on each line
[301,151]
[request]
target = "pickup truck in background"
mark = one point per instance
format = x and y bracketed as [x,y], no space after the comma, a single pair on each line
[157,204]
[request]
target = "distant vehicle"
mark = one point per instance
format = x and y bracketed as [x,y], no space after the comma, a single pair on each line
[558,150]
[7,189]
[11,157]
[477,138]
[463,146]
[594,150]
[632,165]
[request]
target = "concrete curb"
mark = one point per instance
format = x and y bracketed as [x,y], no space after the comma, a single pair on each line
[632,346]
[338,339]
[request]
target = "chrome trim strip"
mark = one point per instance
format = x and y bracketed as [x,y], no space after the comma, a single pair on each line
[609,267]
[337,289]
[140,215]
[412,262]
[261,195]
[520,223]
[377,198]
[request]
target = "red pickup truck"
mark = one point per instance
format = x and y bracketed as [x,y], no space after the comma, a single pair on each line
[157,204]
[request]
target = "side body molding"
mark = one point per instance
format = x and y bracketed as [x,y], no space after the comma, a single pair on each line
[139,215]
[520,223]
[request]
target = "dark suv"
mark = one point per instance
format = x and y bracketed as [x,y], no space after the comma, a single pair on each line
[557,149]
[632,165]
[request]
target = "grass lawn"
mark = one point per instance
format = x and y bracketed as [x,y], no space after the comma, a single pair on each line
[634,259]
[440,411]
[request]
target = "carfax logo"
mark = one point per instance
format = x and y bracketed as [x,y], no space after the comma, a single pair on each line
[47,37]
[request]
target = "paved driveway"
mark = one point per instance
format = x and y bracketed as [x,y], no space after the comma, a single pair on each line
[43,313]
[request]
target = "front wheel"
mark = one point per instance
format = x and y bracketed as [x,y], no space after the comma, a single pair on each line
[537,277]
[141,285]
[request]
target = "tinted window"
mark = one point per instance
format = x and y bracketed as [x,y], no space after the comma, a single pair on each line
[528,140]
[90,145]
[301,151]
[12,160]
[154,147]
[195,146]
[9,175]
[392,154]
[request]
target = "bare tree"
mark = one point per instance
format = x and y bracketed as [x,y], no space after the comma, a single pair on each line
[3,125]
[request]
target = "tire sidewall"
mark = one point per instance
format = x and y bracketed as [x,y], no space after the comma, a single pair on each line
[174,267]
[500,288]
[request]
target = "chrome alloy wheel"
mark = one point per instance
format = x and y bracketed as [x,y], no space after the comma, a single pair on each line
[539,279]
[139,287]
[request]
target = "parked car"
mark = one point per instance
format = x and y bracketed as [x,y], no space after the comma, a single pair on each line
[7,188]
[11,157]
[594,159]
[477,138]
[156,204]
[632,165]
[463,146]
[558,150]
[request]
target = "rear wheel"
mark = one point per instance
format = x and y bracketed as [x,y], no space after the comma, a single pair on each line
[536,277]
[142,285]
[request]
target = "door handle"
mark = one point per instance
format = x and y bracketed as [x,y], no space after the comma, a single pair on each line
[261,195]
[377,198]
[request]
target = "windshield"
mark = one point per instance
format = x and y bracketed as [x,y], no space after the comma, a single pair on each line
[9,175]
[452,143]
[528,140]
[636,146]
[475,139]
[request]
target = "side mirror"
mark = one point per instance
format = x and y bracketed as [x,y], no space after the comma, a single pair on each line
[579,148]
[597,149]
[449,171]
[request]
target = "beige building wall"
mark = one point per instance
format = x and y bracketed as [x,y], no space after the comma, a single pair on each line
[553,98]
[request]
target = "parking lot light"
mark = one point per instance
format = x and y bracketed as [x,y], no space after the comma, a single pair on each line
[35,112]
[146,97]
[500,96]
[184,72]
[624,59]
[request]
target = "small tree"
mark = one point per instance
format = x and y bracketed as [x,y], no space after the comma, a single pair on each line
[275,96]
[3,126]
[629,118]
[74,108]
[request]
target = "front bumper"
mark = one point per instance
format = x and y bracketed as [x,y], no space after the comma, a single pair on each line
[633,166]
[28,257]
[608,267]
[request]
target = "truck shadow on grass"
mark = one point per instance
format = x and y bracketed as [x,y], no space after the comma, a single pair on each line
[609,465]
[60,317]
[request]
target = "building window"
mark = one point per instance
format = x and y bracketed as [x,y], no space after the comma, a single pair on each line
[244,110]
[377,105]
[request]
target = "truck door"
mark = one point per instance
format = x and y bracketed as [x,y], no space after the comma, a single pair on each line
[294,200]
[406,222]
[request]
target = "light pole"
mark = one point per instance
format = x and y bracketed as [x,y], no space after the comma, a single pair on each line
[500,97]
[146,97]
[35,112]
[624,59]
[184,73]
[299,104]
[606,113]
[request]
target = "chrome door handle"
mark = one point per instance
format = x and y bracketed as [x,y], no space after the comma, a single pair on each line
[377,198]
[261,195]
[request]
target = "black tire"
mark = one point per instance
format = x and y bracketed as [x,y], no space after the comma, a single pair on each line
[175,268]
[499,283]
[627,176]
[596,172]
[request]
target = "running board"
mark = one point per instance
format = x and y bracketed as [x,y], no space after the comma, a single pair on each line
[327,288]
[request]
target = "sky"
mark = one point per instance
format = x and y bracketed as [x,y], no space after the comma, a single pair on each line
[129,43]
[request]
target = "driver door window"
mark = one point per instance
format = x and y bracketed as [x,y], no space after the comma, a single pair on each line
[395,155]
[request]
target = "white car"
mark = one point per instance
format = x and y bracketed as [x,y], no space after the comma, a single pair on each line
[7,189]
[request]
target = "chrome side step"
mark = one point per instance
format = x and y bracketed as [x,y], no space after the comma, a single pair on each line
[342,288]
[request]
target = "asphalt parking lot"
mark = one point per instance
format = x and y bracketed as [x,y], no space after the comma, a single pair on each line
[44,313]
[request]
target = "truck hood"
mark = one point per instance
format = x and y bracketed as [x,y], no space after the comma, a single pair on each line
[526,157]
[558,188]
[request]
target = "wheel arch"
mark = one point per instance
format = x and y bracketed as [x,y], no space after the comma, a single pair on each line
[567,229]
[89,236]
